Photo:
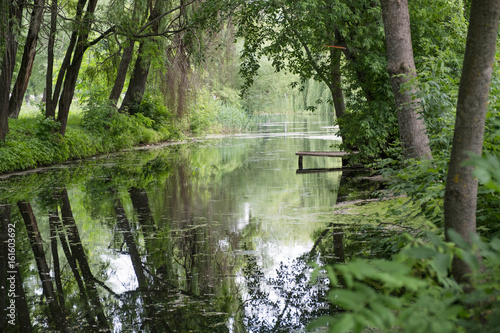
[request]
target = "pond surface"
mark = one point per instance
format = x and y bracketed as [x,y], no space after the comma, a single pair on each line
[210,236]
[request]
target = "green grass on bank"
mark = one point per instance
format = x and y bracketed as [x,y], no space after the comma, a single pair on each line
[31,142]
[34,141]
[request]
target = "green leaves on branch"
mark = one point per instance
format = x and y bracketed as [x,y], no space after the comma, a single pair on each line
[414,292]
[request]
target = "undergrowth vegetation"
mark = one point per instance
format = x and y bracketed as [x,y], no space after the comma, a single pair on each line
[34,141]
[398,272]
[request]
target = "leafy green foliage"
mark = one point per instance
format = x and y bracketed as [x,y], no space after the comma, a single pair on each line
[414,292]
[154,110]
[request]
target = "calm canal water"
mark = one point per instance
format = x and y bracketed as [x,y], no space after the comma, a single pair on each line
[211,236]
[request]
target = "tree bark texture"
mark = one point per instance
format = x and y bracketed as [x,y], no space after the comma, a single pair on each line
[16,99]
[74,68]
[137,83]
[14,9]
[121,74]
[402,72]
[336,83]
[5,80]
[460,200]
[50,105]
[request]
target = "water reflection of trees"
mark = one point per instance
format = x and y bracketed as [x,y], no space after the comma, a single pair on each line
[285,302]
[9,274]
[185,275]
[64,232]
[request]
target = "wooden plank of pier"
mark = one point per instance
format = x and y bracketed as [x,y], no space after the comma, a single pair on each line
[301,154]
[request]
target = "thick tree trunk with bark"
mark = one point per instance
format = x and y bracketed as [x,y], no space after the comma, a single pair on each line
[74,68]
[137,83]
[13,9]
[16,99]
[460,201]
[8,60]
[402,72]
[121,74]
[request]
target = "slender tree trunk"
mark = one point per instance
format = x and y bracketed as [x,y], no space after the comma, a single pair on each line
[16,99]
[14,11]
[336,83]
[74,68]
[8,61]
[51,107]
[460,198]
[402,72]
[50,104]
[5,80]
[121,74]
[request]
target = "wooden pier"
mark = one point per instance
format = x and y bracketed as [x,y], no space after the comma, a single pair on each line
[301,154]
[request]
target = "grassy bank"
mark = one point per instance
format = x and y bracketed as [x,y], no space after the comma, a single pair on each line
[98,128]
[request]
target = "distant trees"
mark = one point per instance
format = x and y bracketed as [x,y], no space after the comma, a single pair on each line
[309,39]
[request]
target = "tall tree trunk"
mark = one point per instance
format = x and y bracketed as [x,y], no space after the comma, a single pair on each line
[336,82]
[5,81]
[137,83]
[13,9]
[460,198]
[74,68]
[121,74]
[16,99]
[50,104]
[402,72]
[54,96]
